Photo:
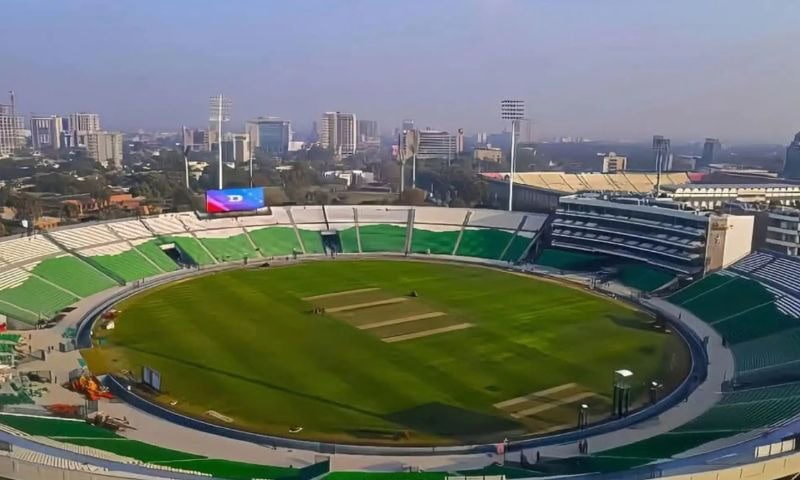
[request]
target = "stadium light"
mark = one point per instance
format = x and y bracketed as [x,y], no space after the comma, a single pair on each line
[513,110]
[219,111]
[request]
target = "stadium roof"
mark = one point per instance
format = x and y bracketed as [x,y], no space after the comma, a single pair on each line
[568,183]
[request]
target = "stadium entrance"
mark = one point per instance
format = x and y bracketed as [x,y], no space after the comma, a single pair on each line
[176,254]
[331,242]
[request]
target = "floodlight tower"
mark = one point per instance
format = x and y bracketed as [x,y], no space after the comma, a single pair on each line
[219,111]
[513,110]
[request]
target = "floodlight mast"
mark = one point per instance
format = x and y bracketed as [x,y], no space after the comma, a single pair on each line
[513,110]
[219,111]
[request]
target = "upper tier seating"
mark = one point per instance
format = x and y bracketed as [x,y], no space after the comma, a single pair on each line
[382,215]
[26,248]
[190,246]
[91,235]
[165,224]
[130,230]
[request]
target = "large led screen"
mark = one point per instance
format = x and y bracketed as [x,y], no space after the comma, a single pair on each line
[234,200]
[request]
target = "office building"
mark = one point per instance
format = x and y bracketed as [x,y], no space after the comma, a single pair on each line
[81,125]
[430,144]
[524,131]
[783,231]
[105,148]
[791,168]
[367,130]
[338,133]
[196,139]
[407,124]
[46,132]
[270,135]
[662,154]
[711,152]
[613,163]
[12,127]
[659,233]
[487,154]
[236,148]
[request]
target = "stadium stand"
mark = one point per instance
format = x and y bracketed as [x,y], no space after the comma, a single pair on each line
[29,298]
[27,248]
[71,273]
[86,236]
[310,237]
[227,244]
[189,247]
[122,260]
[275,240]
[150,249]
[130,230]
[164,224]
[383,238]
[755,306]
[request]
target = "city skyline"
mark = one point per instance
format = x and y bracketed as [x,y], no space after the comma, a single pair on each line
[619,70]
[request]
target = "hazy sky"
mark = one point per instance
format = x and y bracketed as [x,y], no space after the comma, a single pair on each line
[614,69]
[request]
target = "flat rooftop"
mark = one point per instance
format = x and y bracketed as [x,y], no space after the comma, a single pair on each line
[569,183]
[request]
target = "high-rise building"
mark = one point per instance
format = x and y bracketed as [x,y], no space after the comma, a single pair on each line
[711,152]
[408,124]
[662,153]
[195,138]
[105,148]
[613,163]
[524,130]
[46,131]
[367,130]
[270,135]
[81,125]
[236,148]
[12,128]
[791,169]
[430,144]
[338,132]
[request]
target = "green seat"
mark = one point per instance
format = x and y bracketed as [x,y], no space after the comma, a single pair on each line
[312,240]
[484,243]
[519,244]
[36,296]
[236,247]
[151,250]
[439,243]
[190,247]
[349,240]
[276,241]
[382,238]
[73,274]
[129,266]
[571,261]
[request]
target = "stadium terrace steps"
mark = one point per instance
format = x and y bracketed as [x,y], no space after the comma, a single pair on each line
[349,240]
[130,230]
[275,241]
[312,241]
[27,248]
[228,244]
[73,274]
[489,243]
[382,238]
[150,249]
[25,297]
[189,246]
[121,259]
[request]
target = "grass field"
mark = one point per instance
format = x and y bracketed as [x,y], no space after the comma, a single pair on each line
[396,352]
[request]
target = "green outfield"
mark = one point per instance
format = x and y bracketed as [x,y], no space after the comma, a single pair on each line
[385,352]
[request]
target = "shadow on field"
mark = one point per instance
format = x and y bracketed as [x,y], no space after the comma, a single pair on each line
[448,421]
[261,383]
[633,323]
